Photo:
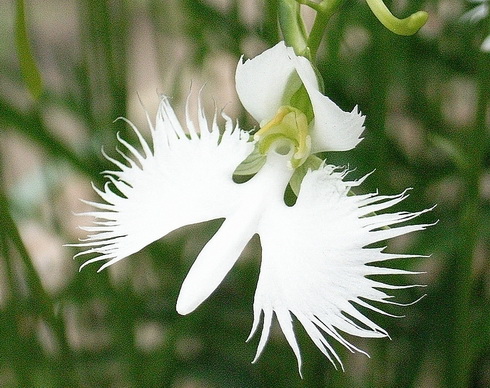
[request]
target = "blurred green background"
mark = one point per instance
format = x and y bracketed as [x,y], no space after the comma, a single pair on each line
[426,99]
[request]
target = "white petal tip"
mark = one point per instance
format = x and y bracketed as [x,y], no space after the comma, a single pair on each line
[183,310]
[184,306]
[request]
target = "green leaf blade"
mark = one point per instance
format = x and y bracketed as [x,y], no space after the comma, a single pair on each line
[29,70]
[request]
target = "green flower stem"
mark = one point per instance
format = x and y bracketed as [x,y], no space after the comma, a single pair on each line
[407,26]
[295,34]
[292,27]
[325,10]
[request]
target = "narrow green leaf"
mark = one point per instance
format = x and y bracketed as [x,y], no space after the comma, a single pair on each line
[28,68]
[251,164]
[312,163]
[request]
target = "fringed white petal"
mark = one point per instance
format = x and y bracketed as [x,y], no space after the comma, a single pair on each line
[261,81]
[315,261]
[185,179]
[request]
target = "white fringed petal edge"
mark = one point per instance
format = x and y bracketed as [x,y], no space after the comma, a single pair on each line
[186,179]
[316,259]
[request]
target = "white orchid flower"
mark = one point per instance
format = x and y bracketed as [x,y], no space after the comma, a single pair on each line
[316,255]
[272,80]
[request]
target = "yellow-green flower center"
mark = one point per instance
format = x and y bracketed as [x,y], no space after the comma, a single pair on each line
[291,124]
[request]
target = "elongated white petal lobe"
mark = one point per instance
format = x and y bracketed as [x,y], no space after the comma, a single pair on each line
[185,179]
[222,251]
[261,81]
[315,260]
[215,261]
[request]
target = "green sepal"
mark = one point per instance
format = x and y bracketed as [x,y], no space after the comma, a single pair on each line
[302,102]
[252,164]
[311,163]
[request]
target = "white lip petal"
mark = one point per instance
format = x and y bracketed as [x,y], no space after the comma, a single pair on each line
[261,81]
[315,261]
[286,322]
[315,264]
[221,252]
[214,262]
[183,181]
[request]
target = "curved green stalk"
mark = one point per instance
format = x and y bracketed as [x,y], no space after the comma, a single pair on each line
[407,26]
[295,35]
